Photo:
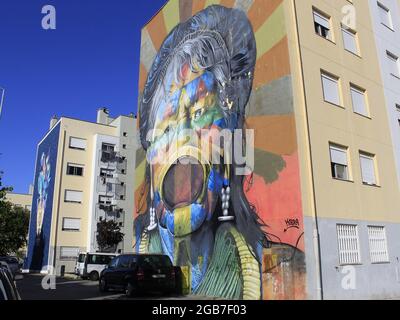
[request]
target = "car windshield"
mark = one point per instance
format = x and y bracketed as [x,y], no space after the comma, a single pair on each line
[81,258]
[155,261]
[99,259]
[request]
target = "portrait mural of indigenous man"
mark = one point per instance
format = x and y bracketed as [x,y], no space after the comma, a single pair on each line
[240,235]
[42,187]
[42,203]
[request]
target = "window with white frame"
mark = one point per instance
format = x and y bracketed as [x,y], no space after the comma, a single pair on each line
[378,248]
[73,196]
[359,101]
[350,39]
[330,87]
[339,163]
[69,253]
[71,224]
[368,169]
[393,62]
[348,244]
[385,15]
[77,143]
[322,25]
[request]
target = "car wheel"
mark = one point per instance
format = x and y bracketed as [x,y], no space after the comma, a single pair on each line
[94,276]
[129,290]
[103,285]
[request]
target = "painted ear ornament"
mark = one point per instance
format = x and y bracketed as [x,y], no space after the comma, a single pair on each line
[225,197]
[153,224]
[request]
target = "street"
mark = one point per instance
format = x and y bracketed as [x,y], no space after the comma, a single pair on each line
[30,288]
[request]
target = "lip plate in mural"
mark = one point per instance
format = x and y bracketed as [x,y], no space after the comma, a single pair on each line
[183,184]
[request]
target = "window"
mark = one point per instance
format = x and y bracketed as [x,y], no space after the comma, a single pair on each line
[99,259]
[75,169]
[105,200]
[359,100]
[393,62]
[322,25]
[378,244]
[330,85]
[349,244]
[350,39]
[368,169]
[71,224]
[73,196]
[107,173]
[77,143]
[339,165]
[124,146]
[125,134]
[69,253]
[385,16]
[107,147]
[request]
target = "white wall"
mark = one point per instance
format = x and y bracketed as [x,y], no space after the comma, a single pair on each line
[387,39]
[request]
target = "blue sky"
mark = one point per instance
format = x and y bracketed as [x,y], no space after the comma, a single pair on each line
[91,60]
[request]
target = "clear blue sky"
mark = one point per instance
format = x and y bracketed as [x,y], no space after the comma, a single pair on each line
[91,60]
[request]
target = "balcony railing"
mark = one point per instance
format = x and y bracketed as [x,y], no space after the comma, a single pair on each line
[111,187]
[106,211]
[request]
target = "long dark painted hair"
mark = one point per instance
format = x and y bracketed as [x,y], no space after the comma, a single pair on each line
[221,41]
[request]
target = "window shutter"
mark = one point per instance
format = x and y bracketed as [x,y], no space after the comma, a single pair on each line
[77,143]
[323,21]
[384,15]
[358,99]
[368,169]
[349,39]
[71,224]
[338,156]
[331,89]
[393,62]
[73,196]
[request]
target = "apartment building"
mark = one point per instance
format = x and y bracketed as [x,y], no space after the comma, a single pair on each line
[84,171]
[323,183]
[22,200]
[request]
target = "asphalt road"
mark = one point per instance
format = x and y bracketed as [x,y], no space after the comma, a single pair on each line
[31,288]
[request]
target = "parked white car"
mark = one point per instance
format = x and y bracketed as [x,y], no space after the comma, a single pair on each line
[90,265]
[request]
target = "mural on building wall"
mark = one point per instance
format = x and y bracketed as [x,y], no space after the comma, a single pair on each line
[208,70]
[40,223]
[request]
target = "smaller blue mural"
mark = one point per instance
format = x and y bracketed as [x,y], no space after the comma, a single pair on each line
[42,209]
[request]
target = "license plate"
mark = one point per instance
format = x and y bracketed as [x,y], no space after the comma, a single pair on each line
[159,276]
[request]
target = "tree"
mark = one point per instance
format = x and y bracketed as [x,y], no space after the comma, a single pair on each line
[108,235]
[14,224]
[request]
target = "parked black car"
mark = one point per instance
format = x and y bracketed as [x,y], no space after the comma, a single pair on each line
[13,264]
[136,273]
[8,290]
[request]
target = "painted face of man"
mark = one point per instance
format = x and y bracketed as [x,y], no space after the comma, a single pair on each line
[186,182]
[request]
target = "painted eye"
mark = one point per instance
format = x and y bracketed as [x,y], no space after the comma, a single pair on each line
[167,130]
[197,114]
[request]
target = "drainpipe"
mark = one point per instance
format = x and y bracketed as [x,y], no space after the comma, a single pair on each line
[316,236]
